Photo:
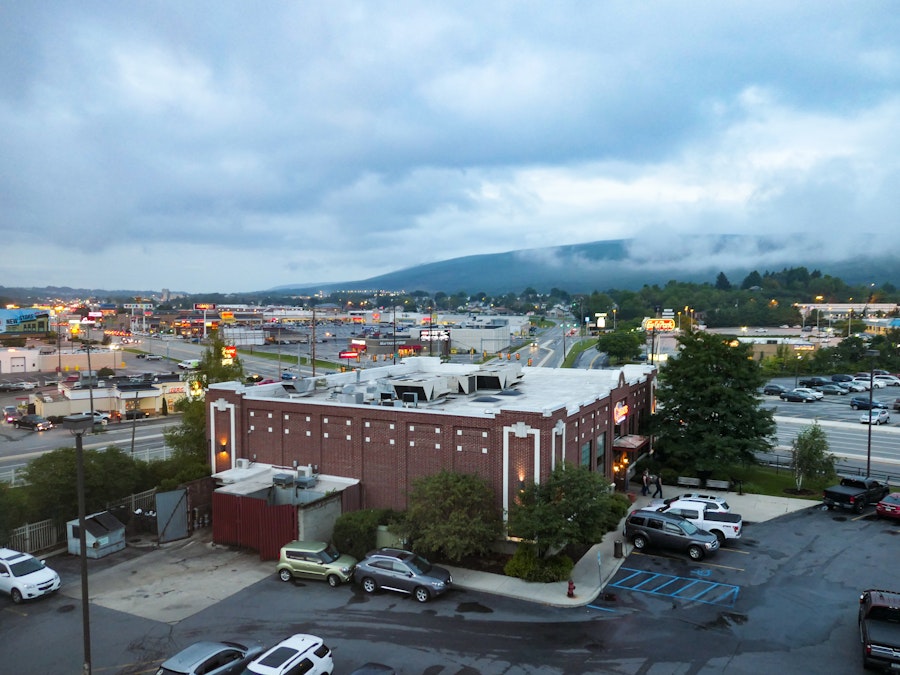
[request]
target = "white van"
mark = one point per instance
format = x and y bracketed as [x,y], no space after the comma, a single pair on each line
[189,364]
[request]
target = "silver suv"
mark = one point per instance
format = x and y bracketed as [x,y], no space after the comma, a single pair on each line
[397,570]
[666,530]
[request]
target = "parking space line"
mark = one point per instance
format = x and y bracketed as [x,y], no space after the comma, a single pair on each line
[704,564]
[681,588]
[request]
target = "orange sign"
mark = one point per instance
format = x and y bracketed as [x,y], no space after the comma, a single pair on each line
[620,412]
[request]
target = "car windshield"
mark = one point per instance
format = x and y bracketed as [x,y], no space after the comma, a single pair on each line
[330,554]
[689,528]
[419,564]
[25,567]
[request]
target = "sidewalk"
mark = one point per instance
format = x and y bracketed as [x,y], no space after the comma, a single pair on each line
[590,577]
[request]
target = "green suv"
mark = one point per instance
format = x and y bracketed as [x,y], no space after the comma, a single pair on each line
[315,560]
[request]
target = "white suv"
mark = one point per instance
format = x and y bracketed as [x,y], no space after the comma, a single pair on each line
[713,502]
[299,654]
[24,577]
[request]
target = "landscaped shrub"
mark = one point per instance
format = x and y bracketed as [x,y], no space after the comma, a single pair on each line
[355,532]
[526,565]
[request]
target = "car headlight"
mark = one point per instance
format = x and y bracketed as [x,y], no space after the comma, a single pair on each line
[437,584]
[709,544]
[346,570]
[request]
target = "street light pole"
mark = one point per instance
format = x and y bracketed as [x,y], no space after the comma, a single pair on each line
[78,424]
[872,354]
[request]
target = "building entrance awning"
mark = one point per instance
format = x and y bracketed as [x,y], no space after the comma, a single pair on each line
[630,442]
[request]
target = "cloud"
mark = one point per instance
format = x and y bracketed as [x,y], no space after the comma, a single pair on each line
[202,147]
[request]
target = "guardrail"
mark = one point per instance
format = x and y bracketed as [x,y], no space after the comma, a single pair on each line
[783,462]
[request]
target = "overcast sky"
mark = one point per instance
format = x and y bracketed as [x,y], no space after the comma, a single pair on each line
[224,146]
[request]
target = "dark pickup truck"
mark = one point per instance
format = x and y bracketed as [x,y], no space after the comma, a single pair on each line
[879,629]
[813,381]
[855,493]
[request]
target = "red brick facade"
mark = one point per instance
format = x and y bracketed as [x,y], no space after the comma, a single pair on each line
[387,448]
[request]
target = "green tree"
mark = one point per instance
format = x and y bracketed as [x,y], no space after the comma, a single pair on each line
[452,514]
[810,456]
[109,474]
[722,282]
[710,415]
[572,507]
[621,345]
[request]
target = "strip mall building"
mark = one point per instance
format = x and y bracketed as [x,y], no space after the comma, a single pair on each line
[386,427]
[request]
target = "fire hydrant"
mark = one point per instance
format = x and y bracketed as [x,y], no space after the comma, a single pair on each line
[571,592]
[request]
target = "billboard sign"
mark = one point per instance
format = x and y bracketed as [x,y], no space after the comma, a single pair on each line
[659,325]
[204,306]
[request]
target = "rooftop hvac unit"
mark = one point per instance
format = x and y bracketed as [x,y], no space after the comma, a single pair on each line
[242,463]
[283,480]
[306,476]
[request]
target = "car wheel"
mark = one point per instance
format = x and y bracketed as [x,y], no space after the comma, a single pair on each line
[422,594]
[859,506]
[695,552]
[720,536]
[854,406]
[16,596]
[285,575]
[640,543]
[333,580]
[369,585]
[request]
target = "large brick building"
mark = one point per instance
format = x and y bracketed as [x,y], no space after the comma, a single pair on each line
[388,426]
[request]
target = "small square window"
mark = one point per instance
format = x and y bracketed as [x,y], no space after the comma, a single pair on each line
[411,427]
[391,425]
[437,430]
[368,440]
[349,437]
[348,423]
[412,444]
[392,441]
[368,424]
[308,419]
[437,446]
[324,420]
[287,417]
[287,431]
[484,434]
[309,433]
[325,435]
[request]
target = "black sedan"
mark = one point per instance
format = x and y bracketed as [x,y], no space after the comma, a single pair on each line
[136,414]
[796,397]
[863,403]
[774,389]
[832,389]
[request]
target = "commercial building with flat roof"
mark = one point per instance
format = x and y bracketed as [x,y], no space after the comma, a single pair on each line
[388,426]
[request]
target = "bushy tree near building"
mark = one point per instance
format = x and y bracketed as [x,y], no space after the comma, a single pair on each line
[572,507]
[709,415]
[451,514]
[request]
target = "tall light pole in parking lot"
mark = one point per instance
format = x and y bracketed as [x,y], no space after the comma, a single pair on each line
[78,424]
[872,354]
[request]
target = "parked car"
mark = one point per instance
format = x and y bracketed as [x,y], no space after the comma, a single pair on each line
[889,380]
[33,422]
[879,629]
[300,653]
[841,377]
[24,385]
[863,382]
[210,658]
[855,493]
[154,357]
[889,506]
[862,403]
[853,386]
[814,381]
[829,389]
[23,577]
[662,530]
[723,524]
[402,571]
[100,417]
[774,389]
[710,502]
[896,404]
[315,560]
[817,395]
[795,396]
[880,416]
[135,414]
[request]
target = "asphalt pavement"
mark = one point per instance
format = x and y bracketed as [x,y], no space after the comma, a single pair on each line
[176,580]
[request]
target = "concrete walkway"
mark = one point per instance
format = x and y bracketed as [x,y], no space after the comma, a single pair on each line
[599,564]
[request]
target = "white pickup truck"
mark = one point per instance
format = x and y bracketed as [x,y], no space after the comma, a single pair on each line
[720,523]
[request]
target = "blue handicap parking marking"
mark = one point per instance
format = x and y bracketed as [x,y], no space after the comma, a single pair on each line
[681,588]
